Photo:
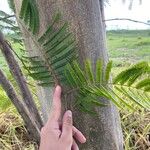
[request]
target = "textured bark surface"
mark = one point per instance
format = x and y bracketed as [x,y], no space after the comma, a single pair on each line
[44,93]
[85,20]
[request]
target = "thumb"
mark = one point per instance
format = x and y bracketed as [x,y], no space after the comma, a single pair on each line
[67,125]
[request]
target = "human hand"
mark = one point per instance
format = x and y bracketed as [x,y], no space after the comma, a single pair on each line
[57,134]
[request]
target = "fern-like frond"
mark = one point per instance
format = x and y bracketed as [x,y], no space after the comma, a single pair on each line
[130,75]
[29,13]
[57,65]
[50,29]
[89,71]
[99,71]
[143,83]
[133,84]
[87,103]
[88,89]
[85,82]
[57,47]
[107,72]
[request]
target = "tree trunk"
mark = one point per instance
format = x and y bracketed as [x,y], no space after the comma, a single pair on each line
[85,19]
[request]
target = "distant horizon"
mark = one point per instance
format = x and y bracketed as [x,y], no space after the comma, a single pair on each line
[110,29]
[127,29]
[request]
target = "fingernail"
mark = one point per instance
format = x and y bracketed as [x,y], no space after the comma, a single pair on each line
[57,88]
[84,139]
[69,113]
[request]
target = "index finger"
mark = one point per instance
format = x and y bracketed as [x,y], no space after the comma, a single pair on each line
[56,106]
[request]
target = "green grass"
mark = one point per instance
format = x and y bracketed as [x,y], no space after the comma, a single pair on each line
[126,48]
[18,49]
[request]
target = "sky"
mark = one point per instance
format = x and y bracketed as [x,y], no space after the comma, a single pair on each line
[116,9]
[4,6]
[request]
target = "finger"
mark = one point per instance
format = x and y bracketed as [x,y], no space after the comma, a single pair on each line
[74,146]
[67,125]
[78,135]
[56,106]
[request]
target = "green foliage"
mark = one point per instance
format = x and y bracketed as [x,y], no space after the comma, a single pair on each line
[131,74]
[121,93]
[133,83]
[87,87]
[57,47]
[89,72]
[4,101]
[99,71]
[29,13]
[9,26]
[57,64]
[107,72]
[128,47]
[11,5]
[145,83]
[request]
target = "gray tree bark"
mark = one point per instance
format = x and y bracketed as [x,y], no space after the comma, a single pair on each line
[85,19]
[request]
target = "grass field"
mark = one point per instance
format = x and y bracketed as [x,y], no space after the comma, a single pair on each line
[125,48]
[128,47]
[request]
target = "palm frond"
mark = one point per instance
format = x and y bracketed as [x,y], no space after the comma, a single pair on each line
[134,84]
[145,83]
[99,71]
[107,72]
[130,75]
[85,83]
[89,71]
[29,13]
[57,47]
[57,64]
[123,96]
